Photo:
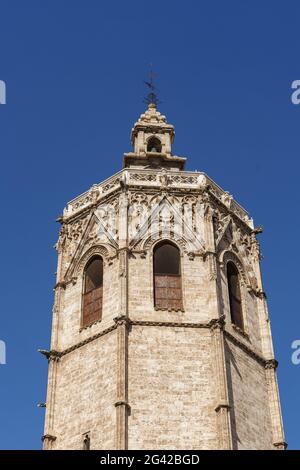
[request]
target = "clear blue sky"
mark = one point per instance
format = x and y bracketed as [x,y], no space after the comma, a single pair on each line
[74,72]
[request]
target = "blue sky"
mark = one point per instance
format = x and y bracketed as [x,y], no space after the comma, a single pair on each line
[74,72]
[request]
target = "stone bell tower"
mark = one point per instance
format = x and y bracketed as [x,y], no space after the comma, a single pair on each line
[161,335]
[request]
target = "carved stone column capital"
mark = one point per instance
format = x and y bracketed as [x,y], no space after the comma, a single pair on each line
[122,403]
[280,445]
[48,437]
[271,364]
[217,323]
[60,285]
[122,320]
[221,406]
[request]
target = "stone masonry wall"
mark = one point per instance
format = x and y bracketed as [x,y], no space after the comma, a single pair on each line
[85,395]
[171,389]
[248,398]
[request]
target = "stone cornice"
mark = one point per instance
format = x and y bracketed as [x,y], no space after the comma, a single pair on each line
[215,323]
[162,309]
[178,180]
[169,324]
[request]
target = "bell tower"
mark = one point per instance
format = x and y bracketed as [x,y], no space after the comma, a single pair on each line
[152,138]
[161,335]
[152,133]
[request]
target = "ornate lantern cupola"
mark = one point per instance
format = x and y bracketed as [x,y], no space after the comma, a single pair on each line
[152,138]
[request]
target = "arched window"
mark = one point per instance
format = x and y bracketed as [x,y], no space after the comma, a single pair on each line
[93,292]
[235,298]
[154,145]
[167,277]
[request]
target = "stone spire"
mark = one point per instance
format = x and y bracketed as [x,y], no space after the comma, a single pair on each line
[152,138]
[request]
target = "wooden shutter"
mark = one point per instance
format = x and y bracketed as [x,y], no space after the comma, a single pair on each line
[92,306]
[93,292]
[168,293]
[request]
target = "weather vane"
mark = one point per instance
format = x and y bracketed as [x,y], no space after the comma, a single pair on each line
[151,97]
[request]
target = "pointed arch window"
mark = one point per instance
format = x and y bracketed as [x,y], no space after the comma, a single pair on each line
[167,277]
[154,145]
[235,298]
[92,292]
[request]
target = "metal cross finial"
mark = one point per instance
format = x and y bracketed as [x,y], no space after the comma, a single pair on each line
[151,97]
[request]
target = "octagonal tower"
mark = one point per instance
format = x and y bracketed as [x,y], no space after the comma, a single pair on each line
[161,335]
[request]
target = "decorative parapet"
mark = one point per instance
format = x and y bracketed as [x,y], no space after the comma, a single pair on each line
[122,403]
[196,181]
[91,196]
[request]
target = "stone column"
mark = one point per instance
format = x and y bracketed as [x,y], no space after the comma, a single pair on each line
[53,357]
[121,404]
[217,324]
[222,407]
[122,323]
[268,352]
[49,437]
[59,291]
[275,409]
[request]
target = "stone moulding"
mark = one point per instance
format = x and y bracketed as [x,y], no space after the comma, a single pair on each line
[157,309]
[212,324]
